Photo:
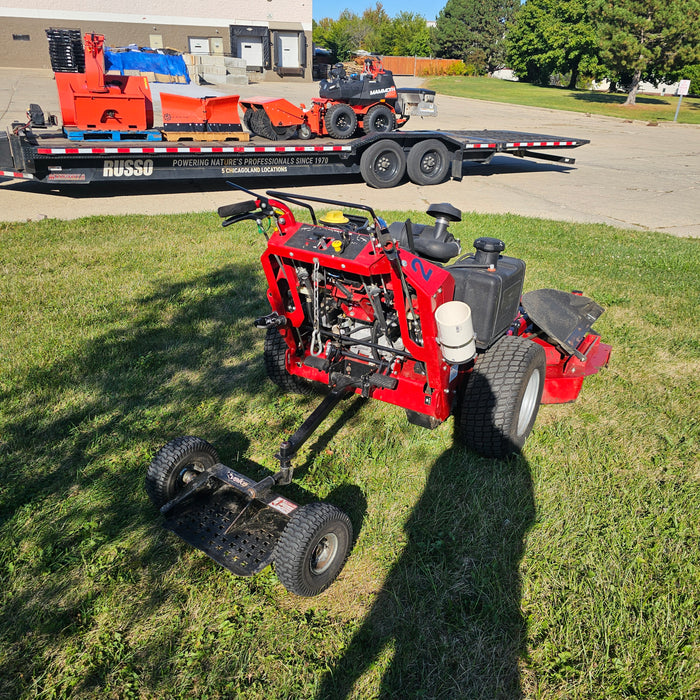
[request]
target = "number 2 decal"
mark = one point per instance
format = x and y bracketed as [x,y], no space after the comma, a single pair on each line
[417,266]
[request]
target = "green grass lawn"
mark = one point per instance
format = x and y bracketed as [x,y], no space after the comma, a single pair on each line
[653,108]
[571,571]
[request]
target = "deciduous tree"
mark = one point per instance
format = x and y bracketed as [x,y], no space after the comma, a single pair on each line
[406,35]
[351,32]
[553,35]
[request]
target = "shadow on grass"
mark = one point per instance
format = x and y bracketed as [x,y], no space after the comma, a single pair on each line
[77,531]
[76,436]
[448,614]
[135,384]
[618,99]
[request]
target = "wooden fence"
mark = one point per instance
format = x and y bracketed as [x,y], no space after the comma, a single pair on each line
[414,65]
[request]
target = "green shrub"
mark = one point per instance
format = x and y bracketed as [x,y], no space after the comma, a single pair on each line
[460,68]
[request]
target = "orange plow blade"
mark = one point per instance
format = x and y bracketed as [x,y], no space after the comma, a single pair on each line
[182,113]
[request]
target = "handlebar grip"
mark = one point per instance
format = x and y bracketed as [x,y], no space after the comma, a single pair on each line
[237,208]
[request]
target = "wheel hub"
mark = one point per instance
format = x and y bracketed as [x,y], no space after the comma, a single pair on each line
[324,553]
[428,163]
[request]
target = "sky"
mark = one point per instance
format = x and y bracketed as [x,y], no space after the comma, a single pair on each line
[332,8]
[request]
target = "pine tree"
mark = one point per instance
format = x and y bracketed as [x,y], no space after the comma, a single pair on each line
[647,39]
[474,31]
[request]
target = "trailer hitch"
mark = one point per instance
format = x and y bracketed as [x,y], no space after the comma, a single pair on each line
[290,447]
[273,320]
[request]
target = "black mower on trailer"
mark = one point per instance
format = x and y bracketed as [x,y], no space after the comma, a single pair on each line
[390,313]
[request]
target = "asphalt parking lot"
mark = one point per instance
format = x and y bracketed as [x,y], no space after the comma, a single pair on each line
[631,175]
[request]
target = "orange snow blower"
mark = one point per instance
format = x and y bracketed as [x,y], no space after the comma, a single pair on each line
[94,101]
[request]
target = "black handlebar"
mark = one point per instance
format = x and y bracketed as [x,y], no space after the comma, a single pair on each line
[237,208]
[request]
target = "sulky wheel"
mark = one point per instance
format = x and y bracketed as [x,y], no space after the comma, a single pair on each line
[274,354]
[383,164]
[428,162]
[502,396]
[313,548]
[379,118]
[176,464]
[340,121]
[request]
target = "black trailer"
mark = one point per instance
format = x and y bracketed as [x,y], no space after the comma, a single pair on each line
[382,159]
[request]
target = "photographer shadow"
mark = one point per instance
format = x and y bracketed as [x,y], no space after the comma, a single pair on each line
[448,615]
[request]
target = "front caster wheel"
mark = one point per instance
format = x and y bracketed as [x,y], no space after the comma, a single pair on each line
[175,465]
[313,548]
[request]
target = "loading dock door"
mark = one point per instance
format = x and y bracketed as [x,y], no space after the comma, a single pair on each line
[199,45]
[290,52]
[251,43]
[288,49]
[251,50]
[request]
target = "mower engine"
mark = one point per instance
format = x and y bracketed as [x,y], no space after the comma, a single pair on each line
[382,310]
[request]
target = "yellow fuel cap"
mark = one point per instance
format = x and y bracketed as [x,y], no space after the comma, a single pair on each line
[335,217]
[337,246]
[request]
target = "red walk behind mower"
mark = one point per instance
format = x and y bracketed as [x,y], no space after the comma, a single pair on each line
[359,307]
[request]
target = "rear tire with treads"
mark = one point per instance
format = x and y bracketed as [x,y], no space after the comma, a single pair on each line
[274,356]
[340,121]
[428,162]
[379,118]
[501,397]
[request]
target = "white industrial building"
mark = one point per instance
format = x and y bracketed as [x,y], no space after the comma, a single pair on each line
[273,37]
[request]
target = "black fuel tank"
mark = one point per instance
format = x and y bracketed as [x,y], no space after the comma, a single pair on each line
[491,284]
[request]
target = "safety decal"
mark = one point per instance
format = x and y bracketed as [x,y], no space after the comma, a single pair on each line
[283,505]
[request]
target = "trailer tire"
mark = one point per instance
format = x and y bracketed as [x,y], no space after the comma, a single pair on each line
[274,355]
[174,464]
[501,397]
[312,548]
[379,118]
[340,121]
[383,164]
[428,162]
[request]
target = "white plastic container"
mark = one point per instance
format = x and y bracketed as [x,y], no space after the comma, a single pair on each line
[455,332]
